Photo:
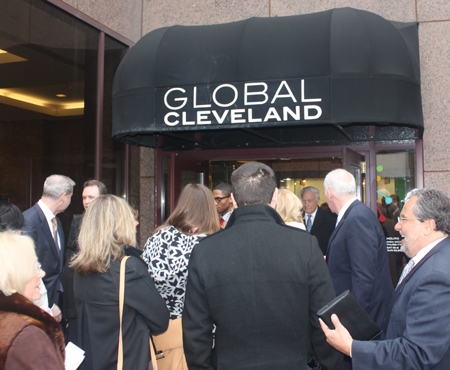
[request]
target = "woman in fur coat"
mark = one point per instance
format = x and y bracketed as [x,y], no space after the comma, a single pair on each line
[30,337]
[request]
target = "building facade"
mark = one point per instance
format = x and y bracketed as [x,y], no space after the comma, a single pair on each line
[86,40]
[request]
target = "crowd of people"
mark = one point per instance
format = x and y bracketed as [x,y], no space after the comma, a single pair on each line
[233,279]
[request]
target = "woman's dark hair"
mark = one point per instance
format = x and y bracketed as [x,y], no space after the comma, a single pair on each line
[195,212]
[11,217]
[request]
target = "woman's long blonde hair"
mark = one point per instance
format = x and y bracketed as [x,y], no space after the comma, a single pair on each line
[289,206]
[107,227]
[195,212]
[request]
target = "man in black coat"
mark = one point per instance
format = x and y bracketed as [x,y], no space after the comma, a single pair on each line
[260,283]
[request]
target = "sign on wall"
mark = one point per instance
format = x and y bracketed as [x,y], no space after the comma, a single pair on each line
[252,104]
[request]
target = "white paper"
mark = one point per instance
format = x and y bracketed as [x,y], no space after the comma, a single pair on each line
[74,357]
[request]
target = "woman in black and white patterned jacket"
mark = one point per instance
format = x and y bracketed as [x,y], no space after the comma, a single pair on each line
[168,250]
[167,254]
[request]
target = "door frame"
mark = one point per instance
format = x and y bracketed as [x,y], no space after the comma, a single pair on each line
[368,151]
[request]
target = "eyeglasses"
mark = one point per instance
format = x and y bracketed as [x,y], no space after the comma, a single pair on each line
[401,219]
[217,200]
[38,268]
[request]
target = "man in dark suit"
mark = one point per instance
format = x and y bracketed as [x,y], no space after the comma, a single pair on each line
[318,222]
[42,225]
[260,283]
[91,190]
[416,333]
[357,256]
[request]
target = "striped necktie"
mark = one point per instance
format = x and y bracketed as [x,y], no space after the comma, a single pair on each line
[55,234]
[309,223]
[409,266]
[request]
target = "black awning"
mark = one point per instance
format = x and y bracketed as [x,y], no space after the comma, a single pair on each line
[315,73]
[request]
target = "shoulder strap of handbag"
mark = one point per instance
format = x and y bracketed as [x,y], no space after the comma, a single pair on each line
[121,299]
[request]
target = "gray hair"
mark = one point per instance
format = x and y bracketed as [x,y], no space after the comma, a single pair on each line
[431,204]
[310,188]
[57,185]
[338,181]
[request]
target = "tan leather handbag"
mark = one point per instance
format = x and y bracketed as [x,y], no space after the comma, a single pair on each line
[169,347]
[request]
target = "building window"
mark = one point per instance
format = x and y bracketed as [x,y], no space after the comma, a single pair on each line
[48,103]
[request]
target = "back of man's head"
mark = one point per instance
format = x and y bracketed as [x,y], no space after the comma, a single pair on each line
[57,185]
[253,183]
[102,190]
[341,182]
[225,188]
[431,204]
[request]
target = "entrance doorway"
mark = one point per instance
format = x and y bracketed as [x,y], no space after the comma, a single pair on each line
[292,174]
[295,168]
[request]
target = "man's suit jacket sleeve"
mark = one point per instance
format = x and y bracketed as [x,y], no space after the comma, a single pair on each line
[29,229]
[423,326]
[197,323]
[361,238]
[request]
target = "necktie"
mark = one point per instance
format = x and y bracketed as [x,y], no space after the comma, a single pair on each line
[309,223]
[406,271]
[55,233]
[221,221]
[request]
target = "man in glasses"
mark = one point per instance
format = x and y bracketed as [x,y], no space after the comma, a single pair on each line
[224,203]
[416,334]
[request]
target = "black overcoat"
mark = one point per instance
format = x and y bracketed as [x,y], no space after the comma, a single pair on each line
[261,283]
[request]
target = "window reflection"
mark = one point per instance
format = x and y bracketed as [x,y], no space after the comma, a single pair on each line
[48,102]
[395,178]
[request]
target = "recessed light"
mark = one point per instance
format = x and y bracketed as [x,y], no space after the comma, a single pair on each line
[61,95]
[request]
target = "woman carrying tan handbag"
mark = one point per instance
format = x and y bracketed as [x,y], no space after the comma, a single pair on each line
[108,234]
[167,255]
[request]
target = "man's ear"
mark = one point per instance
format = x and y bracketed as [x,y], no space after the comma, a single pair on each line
[430,226]
[234,201]
[274,201]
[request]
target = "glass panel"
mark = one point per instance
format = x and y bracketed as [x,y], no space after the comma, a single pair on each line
[165,188]
[188,177]
[48,74]
[395,178]
[113,171]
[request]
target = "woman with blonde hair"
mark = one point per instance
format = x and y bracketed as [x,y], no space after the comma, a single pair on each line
[107,234]
[30,337]
[289,207]
[168,250]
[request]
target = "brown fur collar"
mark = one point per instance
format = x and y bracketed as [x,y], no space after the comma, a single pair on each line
[33,315]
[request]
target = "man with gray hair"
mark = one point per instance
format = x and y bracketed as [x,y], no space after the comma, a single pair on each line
[260,283]
[318,222]
[42,225]
[357,256]
[416,334]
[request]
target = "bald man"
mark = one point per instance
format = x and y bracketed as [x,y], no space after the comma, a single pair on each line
[357,256]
